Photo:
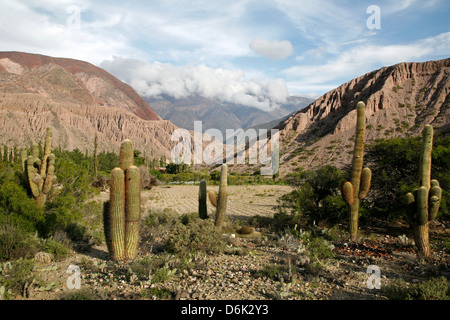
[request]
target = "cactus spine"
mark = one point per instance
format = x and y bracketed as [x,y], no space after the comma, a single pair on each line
[40,173]
[423,204]
[202,208]
[123,212]
[355,190]
[221,199]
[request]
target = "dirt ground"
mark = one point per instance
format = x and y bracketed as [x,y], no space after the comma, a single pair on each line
[243,201]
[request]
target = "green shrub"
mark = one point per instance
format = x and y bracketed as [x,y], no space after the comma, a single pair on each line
[433,289]
[57,249]
[15,203]
[197,235]
[66,204]
[84,294]
[19,277]
[16,243]
[156,268]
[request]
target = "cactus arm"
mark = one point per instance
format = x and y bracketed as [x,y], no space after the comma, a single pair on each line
[126,154]
[31,176]
[434,202]
[212,196]
[23,157]
[425,160]
[117,214]
[47,152]
[50,174]
[347,192]
[366,179]
[422,206]
[132,211]
[222,198]
[202,208]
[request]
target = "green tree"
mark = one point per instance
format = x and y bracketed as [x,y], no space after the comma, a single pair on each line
[395,163]
[316,195]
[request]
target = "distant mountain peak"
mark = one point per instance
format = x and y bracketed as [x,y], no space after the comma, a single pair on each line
[87,75]
[78,100]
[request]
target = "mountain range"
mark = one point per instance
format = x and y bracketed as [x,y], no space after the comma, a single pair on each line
[79,100]
[221,115]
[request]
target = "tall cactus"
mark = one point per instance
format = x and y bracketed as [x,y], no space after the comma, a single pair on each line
[122,215]
[423,204]
[220,200]
[355,190]
[40,173]
[202,208]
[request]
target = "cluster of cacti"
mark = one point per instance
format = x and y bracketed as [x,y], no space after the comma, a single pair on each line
[122,214]
[219,200]
[39,173]
[423,204]
[355,190]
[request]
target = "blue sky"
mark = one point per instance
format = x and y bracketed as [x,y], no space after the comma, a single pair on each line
[255,52]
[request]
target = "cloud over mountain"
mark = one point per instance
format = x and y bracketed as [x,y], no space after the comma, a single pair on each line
[232,86]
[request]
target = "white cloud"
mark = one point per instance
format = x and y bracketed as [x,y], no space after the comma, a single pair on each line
[153,80]
[43,28]
[272,49]
[360,60]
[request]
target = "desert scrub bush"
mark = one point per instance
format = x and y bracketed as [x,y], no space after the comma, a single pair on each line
[19,276]
[66,204]
[17,206]
[160,218]
[314,245]
[197,235]
[15,242]
[278,272]
[58,249]
[155,268]
[433,289]
[84,294]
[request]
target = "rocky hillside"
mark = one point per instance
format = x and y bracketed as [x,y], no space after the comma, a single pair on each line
[78,100]
[399,99]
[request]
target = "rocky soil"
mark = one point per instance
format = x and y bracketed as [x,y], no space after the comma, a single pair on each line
[263,267]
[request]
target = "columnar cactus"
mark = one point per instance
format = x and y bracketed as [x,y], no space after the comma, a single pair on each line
[122,215]
[355,190]
[423,204]
[202,208]
[40,173]
[220,200]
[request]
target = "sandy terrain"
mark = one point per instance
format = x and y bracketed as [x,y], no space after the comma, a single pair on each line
[243,201]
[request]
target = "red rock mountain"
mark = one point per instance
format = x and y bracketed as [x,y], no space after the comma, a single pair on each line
[78,100]
[400,100]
